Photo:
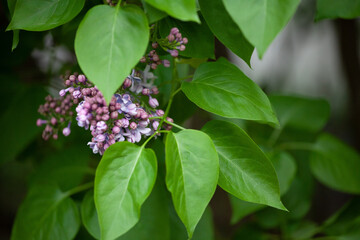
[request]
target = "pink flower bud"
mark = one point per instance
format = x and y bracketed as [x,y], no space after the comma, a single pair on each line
[174,53]
[185,40]
[166,63]
[127,83]
[182,47]
[174,30]
[82,78]
[155,125]
[153,102]
[154,44]
[133,125]
[72,78]
[145,91]
[160,112]
[62,92]
[66,131]
[171,37]
[116,130]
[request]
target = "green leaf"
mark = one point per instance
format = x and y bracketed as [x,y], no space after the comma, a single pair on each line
[231,36]
[89,215]
[46,213]
[221,88]
[124,37]
[337,9]
[42,15]
[301,113]
[192,169]
[201,42]
[245,171]
[154,219]
[123,181]
[184,10]
[11,6]
[260,21]
[152,13]
[285,168]
[335,164]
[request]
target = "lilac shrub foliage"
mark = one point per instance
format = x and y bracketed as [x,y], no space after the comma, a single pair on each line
[131,114]
[119,46]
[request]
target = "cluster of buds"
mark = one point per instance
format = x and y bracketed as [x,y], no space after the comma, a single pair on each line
[174,42]
[153,60]
[128,117]
[57,114]
[131,114]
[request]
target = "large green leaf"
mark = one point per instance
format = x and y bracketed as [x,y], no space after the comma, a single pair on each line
[335,164]
[231,36]
[184,10]
[301,113]
[41,15]
[261,20]
[192,169]
[201,42]
[337,9]
[285,168]
[109,42]
[221,88]
[46,213]
[154,219]
[245,171]
[123,181]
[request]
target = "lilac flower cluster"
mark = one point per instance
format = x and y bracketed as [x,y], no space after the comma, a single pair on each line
[131,114]
[174,42]
[57,114]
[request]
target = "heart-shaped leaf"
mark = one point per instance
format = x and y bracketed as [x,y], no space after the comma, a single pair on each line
[109,43]
[192,170]
[123,181]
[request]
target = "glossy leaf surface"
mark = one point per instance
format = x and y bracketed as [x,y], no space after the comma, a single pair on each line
[123,181]
[192,169]
[221,88]
[124,35]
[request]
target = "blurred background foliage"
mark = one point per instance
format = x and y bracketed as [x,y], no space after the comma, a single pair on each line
[307,61]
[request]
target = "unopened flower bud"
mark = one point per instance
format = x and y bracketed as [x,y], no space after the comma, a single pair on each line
[155,125]
[72,78]
[116,130]
[174,53]
[185,40]
[66,131]
[174,30]
[171,38]
[53,121]
[127,83]
[154,44]
[114,115]
[166,63]
[133,125]
[100,138]
[160,112]
[40,122]
[82,78]
[153,102]
[145,91]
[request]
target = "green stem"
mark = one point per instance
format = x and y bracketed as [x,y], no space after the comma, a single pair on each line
[155,118]
[274,136]
[79,189]
[148,140]
[175,125]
